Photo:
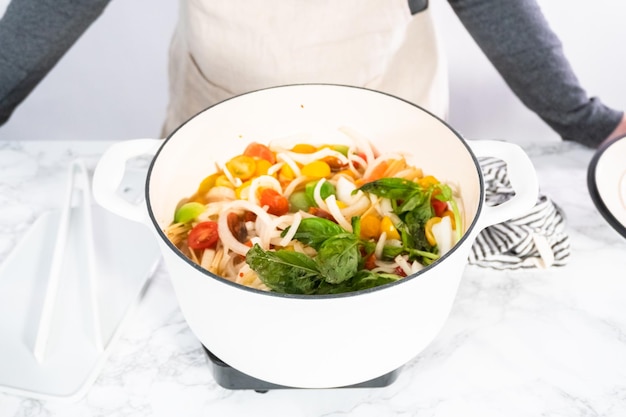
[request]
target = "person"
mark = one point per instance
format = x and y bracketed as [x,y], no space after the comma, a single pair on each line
[223,48]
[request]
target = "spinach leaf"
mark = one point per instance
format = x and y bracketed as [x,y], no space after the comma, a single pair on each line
[313,231]
[338,258]
[284,271]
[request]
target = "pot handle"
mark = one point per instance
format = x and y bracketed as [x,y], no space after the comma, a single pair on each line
[522,176]
[110,171]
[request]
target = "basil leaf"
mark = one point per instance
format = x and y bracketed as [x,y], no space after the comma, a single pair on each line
[413,201]
[314,231]
[361,281]
[445,193]
[391,188]
[284,271]
[338,258]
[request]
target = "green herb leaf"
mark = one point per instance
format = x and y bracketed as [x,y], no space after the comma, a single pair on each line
[338,258]
[284,271]
[363,280]
[313,231]
[391,188]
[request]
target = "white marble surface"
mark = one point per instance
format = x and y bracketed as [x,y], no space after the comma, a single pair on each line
[527,343]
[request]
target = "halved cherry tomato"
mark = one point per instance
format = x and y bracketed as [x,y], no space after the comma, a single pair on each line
[387,226]
[258,150]
[303,148]
[439,206]
[370,227]
[242,167]
[277,203]
[203,236]
[370,262]
[316,169]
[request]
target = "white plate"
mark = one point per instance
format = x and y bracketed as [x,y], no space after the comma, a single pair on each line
[606,180]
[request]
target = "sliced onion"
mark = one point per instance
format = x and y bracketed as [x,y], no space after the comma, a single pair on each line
[305,158]
[293,185]
[220,193]
[402,263]
[284,156]
[275,168]
[263,221]
[236,182]
[297,218]
[317,195]
[345,188]
[207,258]
[361,141]
[333,209]
[358,207]
[444,235]
[416,267]
[378,251]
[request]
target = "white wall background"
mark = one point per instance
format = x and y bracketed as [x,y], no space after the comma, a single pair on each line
[112,84]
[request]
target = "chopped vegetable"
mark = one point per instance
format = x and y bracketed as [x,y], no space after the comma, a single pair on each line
[203,236]
[188,212]
[317,219]
[276,203]
[242,167]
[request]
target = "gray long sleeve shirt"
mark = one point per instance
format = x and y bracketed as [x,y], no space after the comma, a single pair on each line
[513,34]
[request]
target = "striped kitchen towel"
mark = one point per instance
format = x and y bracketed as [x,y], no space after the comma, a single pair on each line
[535,240]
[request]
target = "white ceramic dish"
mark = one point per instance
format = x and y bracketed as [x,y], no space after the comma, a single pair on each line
[314,341]
[606,180]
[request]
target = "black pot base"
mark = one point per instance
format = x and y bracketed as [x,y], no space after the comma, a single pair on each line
[230,378]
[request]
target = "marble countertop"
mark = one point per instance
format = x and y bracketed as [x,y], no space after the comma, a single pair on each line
[520,343]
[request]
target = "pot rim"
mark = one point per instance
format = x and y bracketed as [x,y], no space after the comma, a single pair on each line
[197,267]
[594,192]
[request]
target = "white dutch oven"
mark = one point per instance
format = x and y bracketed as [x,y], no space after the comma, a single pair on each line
[314,341]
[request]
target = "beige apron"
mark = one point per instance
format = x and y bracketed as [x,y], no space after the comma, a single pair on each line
[222,48]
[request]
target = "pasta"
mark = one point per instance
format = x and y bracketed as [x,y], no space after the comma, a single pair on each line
[316,218]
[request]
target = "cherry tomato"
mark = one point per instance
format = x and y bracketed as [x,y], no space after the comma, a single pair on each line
[370,262]
[257,150]
[277,203]
[304,148]
[203,236]
[242,166]
[439,206]
[399,271]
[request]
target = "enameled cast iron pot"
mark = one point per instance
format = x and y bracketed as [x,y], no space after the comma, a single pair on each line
[314,341]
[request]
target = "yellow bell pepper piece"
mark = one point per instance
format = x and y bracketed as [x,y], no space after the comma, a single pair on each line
[388,227]
[428,230]
[427,181]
